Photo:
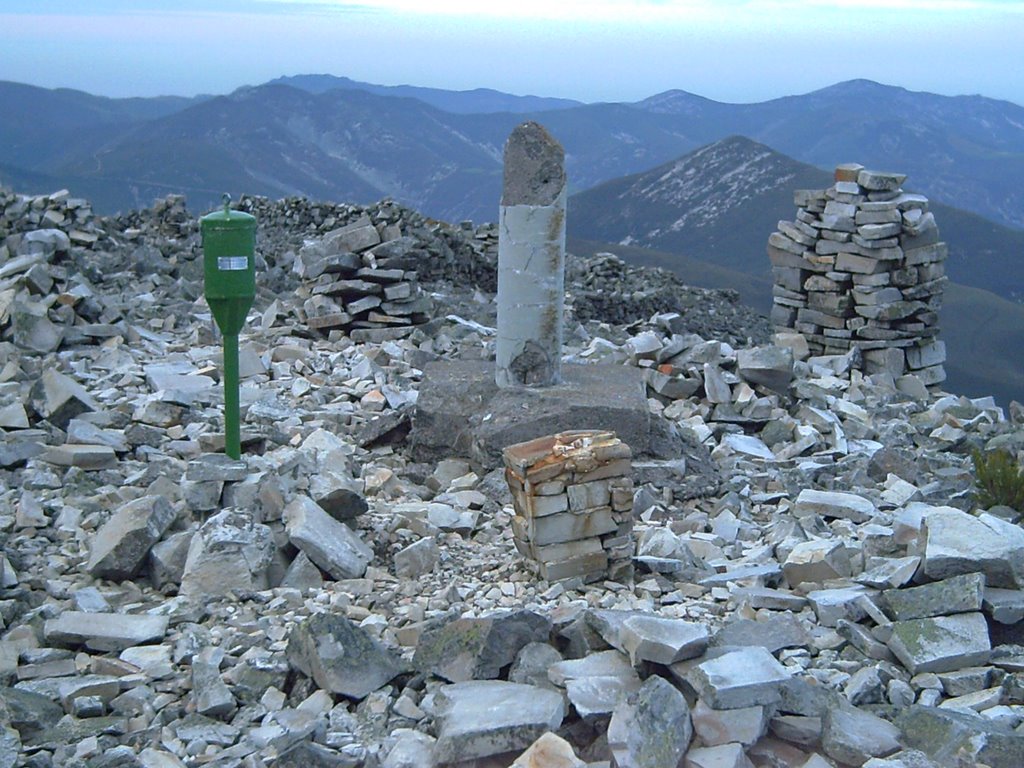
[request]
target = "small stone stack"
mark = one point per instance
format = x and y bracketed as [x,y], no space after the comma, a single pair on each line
[354,287]
[573,498]
[862,267]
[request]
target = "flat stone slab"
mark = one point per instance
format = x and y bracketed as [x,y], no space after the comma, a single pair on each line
[480,718]
[956,543]
[462,412]
[104,631]
[834,504]
[662,640]
[957,594]
[746,677]
[942,643]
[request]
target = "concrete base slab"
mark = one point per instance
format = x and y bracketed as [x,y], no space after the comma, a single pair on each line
[462,412]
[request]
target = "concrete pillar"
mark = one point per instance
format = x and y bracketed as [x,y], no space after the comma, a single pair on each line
[531,260]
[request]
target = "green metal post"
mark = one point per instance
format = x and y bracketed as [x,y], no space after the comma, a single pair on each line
[229,242]
[232,432]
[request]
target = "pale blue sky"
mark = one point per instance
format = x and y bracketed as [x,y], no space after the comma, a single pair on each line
[592,50]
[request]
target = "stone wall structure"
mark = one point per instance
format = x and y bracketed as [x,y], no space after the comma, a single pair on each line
[573,498]
[862,266]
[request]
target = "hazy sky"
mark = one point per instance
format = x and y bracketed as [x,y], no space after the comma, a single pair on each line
[592,50]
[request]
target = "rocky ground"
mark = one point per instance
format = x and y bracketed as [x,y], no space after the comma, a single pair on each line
[813,585]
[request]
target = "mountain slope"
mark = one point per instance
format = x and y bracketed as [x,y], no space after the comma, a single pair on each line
[279,141]
[966,151]
[475,101]
[720,203]
[42,128]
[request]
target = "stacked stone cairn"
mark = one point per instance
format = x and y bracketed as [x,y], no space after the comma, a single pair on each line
[573,496]
[357,282]
[862,267]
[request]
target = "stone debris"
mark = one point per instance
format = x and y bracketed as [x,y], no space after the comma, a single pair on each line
[812,583]
[862,268]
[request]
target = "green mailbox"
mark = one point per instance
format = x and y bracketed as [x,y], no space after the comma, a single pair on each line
[229,250]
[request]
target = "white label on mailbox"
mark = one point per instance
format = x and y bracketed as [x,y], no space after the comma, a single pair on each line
[232,263]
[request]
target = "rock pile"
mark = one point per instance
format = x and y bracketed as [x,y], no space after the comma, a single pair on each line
[813,585]
[573,497]
[862,267]
[360,279]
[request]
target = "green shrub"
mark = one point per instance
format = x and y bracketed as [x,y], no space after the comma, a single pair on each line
[999,478]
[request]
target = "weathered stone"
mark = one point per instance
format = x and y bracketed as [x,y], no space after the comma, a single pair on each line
[771,367]
[947,736]
[834,504]
[722,756]
[853,736]
[331,545]
[661,640]
[341,657]
[228,553]
[942,643]
[743,678]
[417,559]
[478,648]
[816,561]
[480,718]
[651,728]
[956,543]
[549,751]
[777,631]
[714,727]
[120,546]
[59,398]
[958,594]
[104,631]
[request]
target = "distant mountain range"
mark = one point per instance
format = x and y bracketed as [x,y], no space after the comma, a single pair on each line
[675,180]
[440,151]
[475,101]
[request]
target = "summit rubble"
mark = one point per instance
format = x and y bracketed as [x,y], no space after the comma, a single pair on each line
[812,586]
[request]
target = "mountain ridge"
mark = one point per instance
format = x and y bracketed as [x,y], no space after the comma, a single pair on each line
[967,150]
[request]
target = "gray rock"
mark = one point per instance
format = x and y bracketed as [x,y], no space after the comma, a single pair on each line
[167,559]
[743,678]
[661,640]
[853,736]
[417,559]
[777,631]
[59,398]
[104,631]
[216,466]
[958,594]
[120,546]
[947,736]
[412,749]
[331,545]
[341,657]
[834,504]
[955,543]
[722,756]
[941,643]
[771,367]
[302,574]
[714,727]
[532,663]
[228,553]
[480,718]
[478,648]
[651,728]
[211,695]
